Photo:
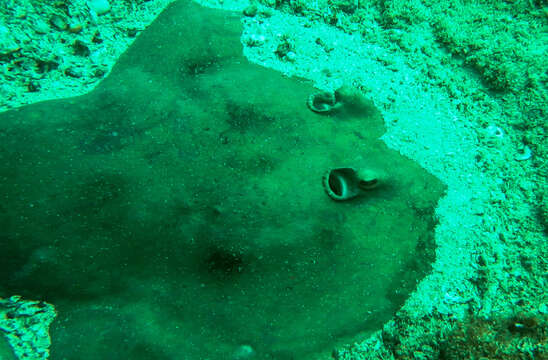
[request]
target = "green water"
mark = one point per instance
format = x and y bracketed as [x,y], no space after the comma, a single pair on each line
[178,210]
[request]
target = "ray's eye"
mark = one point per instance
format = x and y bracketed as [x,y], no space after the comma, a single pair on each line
[335,185]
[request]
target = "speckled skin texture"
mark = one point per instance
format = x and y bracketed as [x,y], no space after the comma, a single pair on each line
[178,208]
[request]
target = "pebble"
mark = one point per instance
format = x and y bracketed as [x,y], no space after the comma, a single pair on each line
[291,56]
[100,7]
[73,73]
[33,86]
[255,40]
[25,323]
[58,22]
[75,28]
[7,42]
[347,6]
[80,48]
[41,27]
[251,10]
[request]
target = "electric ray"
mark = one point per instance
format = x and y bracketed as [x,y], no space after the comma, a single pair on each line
[178,210]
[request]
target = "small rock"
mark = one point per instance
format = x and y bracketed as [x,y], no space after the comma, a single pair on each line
[44,66]
[266,12]
[80,48]
[291,56]
[270,3]
[41,27]
[326,72]
[347,6]
[255,40]
[251,10]
[74,73]
[132,32]
[97,38]
[283,48]
[8,47]
[25,324]
[100,7]
[62,5]
[58,22]
[75,28]
[326,47]
[33,86]
[100,73]
[21,12]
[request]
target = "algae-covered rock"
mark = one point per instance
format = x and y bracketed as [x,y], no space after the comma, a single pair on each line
[24,326]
